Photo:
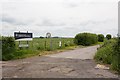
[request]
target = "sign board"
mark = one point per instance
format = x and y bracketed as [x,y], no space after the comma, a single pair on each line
[48,35]
[22,36]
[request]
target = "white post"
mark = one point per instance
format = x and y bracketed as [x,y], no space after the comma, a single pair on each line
[60,43]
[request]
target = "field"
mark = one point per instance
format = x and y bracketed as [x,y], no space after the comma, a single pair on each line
[39,46]
[48,44]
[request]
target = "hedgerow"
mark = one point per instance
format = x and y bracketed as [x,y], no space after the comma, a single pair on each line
[116,56]
[8,47]
[109,53]
[86,39]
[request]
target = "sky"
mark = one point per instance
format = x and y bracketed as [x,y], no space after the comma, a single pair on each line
[64,18]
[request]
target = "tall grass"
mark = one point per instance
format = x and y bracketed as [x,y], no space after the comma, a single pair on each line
[116,56]
[109,53]
[46,44]
[37,46]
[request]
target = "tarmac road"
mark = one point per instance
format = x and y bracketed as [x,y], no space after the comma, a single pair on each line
[76,63]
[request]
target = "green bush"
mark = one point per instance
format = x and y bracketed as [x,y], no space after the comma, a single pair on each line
[85,39]
[100,37]
[116,56]
[108,36]
[104,53]
[19,54]
[66,44]
[8,47]
[110,53]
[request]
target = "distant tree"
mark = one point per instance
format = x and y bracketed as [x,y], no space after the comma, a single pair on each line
[108,36]
[56,37]
[100,37]
[41,37]
[85,39]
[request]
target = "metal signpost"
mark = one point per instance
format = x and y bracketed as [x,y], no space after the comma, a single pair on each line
[22,36]
[48,35]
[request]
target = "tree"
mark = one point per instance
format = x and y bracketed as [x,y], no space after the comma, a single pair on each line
[100,37]
[108,36]
[85,39]
[41,37]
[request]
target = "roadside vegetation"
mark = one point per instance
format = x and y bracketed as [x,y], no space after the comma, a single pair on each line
[42,46]
[109,50]
[109,53]
[39,46]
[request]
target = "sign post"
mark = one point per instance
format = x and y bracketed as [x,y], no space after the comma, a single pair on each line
[22,36]
[48,35]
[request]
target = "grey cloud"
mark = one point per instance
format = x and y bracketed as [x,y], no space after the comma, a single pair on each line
[47,22]
[11,20]
[88,26]
[93,22]
[70,4]
[8,20]
[73,5]
[44,19]
[77,3]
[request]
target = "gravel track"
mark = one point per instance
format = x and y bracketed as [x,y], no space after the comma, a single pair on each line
[76,63]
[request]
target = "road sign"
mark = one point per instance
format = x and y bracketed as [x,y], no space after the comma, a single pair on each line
[22,36]
[48,35]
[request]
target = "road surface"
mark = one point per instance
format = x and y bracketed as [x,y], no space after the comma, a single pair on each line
[76,63]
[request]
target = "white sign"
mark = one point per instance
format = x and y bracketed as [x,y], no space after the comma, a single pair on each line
[21,36]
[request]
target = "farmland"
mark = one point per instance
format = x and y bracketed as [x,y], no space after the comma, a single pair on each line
[48,43]
[39,46]
[43,46]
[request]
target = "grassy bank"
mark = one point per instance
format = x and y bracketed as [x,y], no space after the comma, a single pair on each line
[108,53]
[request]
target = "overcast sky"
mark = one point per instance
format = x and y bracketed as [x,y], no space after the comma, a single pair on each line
[59,17]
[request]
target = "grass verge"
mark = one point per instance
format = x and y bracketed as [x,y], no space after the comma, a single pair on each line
[108,54]
[20,54]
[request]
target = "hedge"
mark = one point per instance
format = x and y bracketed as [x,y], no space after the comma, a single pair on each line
[109,53]
[8,47]
[86,39]
[116,56]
